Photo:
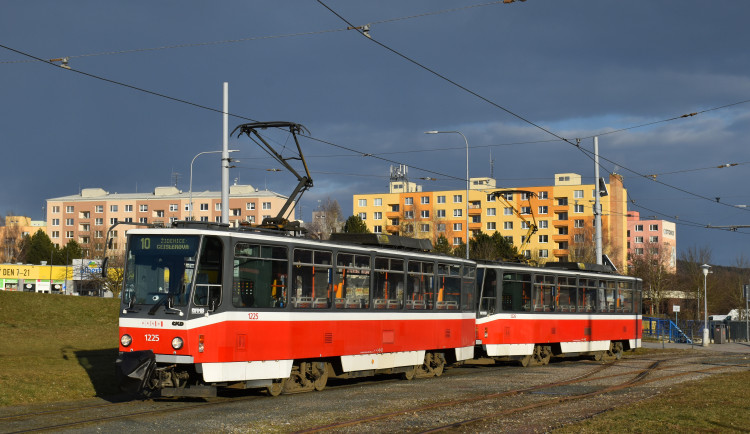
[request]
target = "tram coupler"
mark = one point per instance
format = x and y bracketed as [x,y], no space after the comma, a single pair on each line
[134,370]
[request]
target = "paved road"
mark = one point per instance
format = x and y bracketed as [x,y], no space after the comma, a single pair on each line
[732,347]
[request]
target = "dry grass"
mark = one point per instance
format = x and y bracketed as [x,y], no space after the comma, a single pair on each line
[55,347]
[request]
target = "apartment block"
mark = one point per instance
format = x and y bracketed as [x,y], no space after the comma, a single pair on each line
[563,213]
[87,216]
[654,238]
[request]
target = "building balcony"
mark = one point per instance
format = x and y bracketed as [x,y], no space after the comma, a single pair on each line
[392,229]
[560,238]
[392,214]
[475,226]
[475,210]
[560,252]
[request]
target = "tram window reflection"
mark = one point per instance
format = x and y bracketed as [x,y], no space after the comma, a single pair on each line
[312,275]
[352,290]
[516,292]
[259,276]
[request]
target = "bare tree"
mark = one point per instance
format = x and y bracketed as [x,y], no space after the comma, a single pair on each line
[690,275]
[652,266]
[582,246]
[327,219]
[12,238]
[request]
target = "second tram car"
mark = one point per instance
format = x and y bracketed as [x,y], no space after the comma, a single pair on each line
[529,314]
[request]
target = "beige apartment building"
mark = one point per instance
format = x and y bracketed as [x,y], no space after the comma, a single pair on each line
[86,217]
[563,213]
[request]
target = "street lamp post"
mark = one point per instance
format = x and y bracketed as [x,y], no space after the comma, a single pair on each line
[705,268]
[190,212]
[467,181]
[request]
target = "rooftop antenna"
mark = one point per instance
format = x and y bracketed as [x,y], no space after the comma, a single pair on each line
[492,166]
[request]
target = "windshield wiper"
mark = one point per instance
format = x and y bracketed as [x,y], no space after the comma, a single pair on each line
[168,308]
[131,303]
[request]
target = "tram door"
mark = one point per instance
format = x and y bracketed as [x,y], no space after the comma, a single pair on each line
[488,298]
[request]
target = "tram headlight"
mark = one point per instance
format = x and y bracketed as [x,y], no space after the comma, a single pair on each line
[126,340]
[177,343]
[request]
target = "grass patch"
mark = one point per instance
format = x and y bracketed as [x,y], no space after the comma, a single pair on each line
[55,347]
[716,404]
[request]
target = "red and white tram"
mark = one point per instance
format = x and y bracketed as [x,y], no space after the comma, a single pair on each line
[204,305]
[529,313]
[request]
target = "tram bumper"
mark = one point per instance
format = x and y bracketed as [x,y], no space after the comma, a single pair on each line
[134,369]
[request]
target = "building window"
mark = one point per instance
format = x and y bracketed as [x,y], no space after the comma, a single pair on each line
[507,225]
[524,196]
[174,207]
[639,228]
[441,199]
[363,215]
[544,253]
[144,208]
[491,197]
[562,230]
[70,209]
[441,213]
[638,250]
[266,205]
[69,234]
[457,198]
[172,219]
[562,201]
[578,208]
[425,214]
[55,209]
[84,215]
[112,221]
[653,239]
[408,214]
[204,218]
[509,239]
[55,222]
[578,194]
[457,226]
[143,220]
[362,202]
[441,227]
[159,213]
[508,211]
[128,208]
[507,196]
[377,229]
[457,241]
[578,238]
[525,210]
[217,219]
[69,222]
[425,200]
[543,238]
[113,208]
[653,227]
[85,227]
[562,216]
[458,212]
[250,219]
[99,209]
[424,228]
[217,206]
[377,215]
[525,225]
[236,212]
[250,206]
[543,209]
[490,211]
[638,239]
[409,201]
[55,234]
[491,226]
[543,224]
[578,223]
[377,202]
[542,195]
[204,207]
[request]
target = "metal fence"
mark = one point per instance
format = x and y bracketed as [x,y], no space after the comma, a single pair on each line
[692,331]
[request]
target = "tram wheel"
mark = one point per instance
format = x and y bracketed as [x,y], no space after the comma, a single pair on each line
[438,364]
[409,374]
[618,350]
[525,360]
[320,375]
[276,387]
[542,354]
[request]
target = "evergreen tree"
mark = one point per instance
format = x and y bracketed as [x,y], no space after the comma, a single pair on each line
[355,225]
[442,245]
[40,248]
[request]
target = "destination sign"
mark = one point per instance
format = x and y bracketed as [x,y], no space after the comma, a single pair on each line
[164,245]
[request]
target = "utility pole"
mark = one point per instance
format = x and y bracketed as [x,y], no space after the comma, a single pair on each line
[597,205]
[225,159]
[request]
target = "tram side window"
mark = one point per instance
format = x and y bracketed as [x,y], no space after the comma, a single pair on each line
[566,294]
[352,290]
[388,283]
[468,288]
[312,274]
[544,292]
[488,301]
[625,296]
[637,297]
[260,276]
[587,295]
[449,286]
[516,292]
[420,285]
[208,278]
[606,296]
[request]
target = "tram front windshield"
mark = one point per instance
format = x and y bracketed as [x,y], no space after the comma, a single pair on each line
[159,267]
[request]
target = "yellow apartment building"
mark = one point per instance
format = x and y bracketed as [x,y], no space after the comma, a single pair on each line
[563,213]
[86,217]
